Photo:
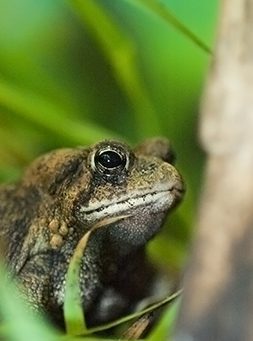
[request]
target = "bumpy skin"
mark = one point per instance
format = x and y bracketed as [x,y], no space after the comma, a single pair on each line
[61,196]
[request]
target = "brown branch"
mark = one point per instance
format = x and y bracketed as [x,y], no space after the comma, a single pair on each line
[218,300]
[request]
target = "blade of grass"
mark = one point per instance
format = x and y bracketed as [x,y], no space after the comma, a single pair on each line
[73,311]
[46,114]
[137,314]
[120,52]
[166,323]
[21,325]
[138,328]
[78,338]
[73,305]
[158,8]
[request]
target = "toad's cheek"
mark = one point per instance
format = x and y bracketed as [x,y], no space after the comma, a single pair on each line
[138,204]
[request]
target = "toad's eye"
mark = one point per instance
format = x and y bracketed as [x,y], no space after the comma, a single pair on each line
[109,160]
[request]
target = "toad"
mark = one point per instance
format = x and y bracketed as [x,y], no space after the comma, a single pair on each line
[61,196]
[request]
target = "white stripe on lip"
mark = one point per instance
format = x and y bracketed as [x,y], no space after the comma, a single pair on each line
[158,199]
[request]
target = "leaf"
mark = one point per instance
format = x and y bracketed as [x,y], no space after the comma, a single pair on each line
[73,305]
[166,323]
[137,314]
[120,51]
[136,330]
[46,114]
[73,309]
[20,324]
[159,9]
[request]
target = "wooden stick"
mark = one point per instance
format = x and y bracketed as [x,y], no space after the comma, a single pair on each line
[218,298]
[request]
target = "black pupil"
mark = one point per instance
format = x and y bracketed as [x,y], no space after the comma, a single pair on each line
[109,159]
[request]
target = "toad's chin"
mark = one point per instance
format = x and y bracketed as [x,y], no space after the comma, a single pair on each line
[135,230]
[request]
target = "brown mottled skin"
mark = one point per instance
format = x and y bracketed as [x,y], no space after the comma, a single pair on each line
[45,214]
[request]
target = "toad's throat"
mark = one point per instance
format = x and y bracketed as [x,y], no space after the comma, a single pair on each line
[153,201]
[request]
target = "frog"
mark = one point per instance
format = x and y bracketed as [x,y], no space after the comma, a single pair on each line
[61,196]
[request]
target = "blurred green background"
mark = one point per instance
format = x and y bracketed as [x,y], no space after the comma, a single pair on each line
[75,72]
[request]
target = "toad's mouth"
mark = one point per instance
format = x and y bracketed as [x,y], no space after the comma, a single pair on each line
[155,201]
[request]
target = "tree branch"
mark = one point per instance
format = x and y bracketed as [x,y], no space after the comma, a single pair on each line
[218,300]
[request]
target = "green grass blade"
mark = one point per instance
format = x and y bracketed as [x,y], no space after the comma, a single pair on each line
[137,314]
[73,311]
[73,306]
[19,324]
[121,54]
[158,8]
[165,326]
[49,115]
